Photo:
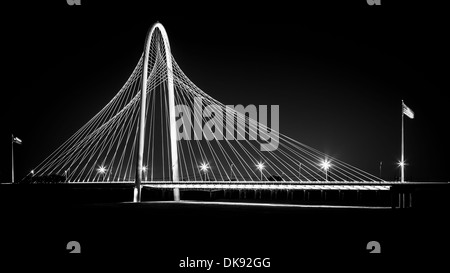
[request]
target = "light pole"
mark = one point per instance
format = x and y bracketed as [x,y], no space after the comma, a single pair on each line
[18,141]
[231,171]
[145,170]
[65,174]
[402,165]
[260,167]
[204,167]
[325,165]
[299,171]
[381,163]
[109,173]
[32,175]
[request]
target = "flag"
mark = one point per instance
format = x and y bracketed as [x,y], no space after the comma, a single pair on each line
[17,140]
[407,111]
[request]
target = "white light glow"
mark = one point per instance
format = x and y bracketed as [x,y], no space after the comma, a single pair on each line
[325,164]
[204,167]
[260,166]
[101,169]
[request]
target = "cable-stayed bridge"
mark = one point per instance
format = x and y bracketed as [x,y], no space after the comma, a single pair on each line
[161,130]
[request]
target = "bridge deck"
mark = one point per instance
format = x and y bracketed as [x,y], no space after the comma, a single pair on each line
[272,185]
[225,186]
[265,185]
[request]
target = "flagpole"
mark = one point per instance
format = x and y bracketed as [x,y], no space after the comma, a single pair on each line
[12,158]
[402,160]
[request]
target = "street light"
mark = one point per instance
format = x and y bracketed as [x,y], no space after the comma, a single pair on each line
[102,170]
[14,140]
[204,167]
[325,165]
[32,175]
[260,167]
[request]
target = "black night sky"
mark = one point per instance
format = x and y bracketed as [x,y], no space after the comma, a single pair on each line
[338,72]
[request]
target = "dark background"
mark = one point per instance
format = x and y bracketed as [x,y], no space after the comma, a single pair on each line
[338,71]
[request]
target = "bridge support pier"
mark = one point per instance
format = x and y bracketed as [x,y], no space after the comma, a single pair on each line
[290,195]
[401,200]
[407,199]
[176,194]
[137,194]
[323,195]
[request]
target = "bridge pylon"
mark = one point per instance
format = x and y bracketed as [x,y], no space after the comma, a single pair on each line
[142,117]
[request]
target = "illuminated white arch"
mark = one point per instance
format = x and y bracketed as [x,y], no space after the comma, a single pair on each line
[172,124]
